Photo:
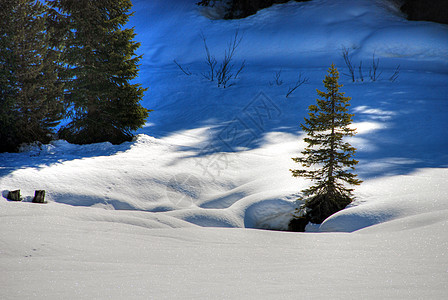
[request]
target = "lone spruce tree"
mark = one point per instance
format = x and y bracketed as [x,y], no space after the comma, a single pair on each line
[30,92]
[101,62]
[327,125]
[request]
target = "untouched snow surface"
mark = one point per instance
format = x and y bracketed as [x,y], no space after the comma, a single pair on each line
[54,252]
[127,221]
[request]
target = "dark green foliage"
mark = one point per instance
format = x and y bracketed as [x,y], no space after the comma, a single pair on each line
[298,224]
[321,206]
[327,125]
[101,60]
[30,93]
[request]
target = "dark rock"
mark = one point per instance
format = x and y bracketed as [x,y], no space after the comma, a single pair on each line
[242,8]
[424,10]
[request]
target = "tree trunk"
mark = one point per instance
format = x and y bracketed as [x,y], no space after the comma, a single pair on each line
[330,181]
[39,196]
[14,195]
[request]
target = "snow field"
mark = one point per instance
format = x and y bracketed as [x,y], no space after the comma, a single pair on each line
[58,255]
[140,220]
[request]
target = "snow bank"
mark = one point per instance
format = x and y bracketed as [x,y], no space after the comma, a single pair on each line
[423,192]
[69,252]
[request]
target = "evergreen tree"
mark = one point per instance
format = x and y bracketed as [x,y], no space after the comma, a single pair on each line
[101,60]
[30,94]
[327,125]
[8,135]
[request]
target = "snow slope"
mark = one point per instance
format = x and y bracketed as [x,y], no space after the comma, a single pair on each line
[128,220]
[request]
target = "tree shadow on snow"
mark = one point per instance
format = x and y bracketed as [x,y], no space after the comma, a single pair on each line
[401,140]
[395,136]
[38,157]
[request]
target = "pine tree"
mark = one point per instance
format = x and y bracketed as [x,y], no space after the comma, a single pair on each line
[8,130]
[30,97]
[327,125]
[101,61]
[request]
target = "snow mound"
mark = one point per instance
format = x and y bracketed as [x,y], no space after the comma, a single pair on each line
[423,192]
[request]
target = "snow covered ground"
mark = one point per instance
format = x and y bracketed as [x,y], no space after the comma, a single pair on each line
[164,216]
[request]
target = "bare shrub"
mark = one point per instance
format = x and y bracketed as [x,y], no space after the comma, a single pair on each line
[225,71]
[348,62]
[374,72]
[277,80]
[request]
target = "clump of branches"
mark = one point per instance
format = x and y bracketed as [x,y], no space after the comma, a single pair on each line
[298,83]
[277,80]
[226,70]
[374,71]
[348,62]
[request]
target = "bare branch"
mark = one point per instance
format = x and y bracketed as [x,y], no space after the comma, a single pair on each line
[395,74]
[299,82]
[186,71]
[361,75]
[243,64]
[210,60]
[277,76]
